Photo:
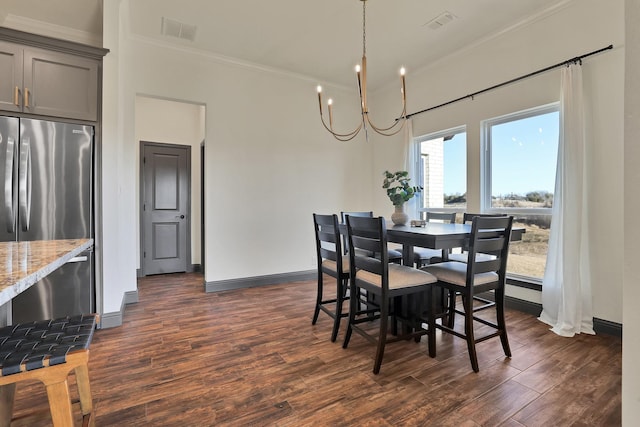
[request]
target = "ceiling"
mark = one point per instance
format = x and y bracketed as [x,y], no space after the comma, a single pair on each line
[320,40]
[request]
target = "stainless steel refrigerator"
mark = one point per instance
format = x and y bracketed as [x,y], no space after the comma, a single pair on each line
[47,193]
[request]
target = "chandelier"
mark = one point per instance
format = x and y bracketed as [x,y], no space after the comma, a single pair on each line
[365,123]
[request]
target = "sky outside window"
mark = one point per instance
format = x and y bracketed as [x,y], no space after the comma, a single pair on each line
[455,165]
[524,155]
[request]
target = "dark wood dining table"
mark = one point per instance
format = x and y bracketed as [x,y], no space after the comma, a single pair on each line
[434,235]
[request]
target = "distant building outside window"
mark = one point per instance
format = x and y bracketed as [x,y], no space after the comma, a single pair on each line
[443,170]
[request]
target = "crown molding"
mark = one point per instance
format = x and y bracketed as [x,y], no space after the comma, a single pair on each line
[51,30]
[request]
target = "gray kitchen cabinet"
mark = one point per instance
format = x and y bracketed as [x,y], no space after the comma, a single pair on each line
[48,83]
[11,72]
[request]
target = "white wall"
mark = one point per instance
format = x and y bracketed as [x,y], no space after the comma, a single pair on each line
[631,290]
[578,28]
[118,234]
[269,162]
[172,122]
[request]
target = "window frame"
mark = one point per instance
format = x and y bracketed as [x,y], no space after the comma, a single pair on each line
[419,167]
[485,158]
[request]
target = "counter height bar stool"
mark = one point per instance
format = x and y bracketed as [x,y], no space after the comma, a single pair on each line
[332,262]
[489,235]
[388,282]
[467,218]
[395,255]
[48,351]
[423,256]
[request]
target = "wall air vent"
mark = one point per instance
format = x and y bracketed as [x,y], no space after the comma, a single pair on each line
[173,28]
[441,20]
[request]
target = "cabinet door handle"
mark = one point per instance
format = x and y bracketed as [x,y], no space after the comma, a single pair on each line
[26,97]
[16,96]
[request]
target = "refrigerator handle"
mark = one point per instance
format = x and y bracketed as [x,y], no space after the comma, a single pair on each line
[9,206]
[24,183]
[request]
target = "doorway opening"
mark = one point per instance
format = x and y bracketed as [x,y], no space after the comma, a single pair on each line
[168,123]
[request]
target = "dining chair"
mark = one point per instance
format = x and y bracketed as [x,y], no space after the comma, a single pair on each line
[395,255]
[388,282]
[467,218]
[333,262]
[489,235]
[423,256]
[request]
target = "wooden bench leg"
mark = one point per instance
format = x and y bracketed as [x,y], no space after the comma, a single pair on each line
[7,393]
[84,390]
[60,403]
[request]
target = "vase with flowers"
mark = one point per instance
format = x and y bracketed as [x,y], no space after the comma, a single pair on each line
[399,191]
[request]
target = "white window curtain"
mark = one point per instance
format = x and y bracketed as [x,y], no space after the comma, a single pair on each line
[411,165]
[566,286]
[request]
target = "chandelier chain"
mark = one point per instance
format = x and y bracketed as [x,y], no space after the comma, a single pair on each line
[364,27]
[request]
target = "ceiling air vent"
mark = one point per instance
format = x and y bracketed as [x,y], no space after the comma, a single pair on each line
[177,29]
[441,20]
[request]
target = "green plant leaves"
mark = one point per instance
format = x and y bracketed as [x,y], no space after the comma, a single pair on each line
[398,188]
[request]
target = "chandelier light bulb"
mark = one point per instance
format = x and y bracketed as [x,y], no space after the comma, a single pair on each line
[358,68]
[402,71]
[330,101]
[319,88]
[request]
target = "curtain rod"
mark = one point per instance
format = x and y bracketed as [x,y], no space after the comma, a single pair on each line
[560,64]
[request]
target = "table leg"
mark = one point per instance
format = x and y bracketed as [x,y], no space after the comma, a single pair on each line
[407,254]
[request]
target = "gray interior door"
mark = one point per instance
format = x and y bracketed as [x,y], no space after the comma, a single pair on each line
[165,208]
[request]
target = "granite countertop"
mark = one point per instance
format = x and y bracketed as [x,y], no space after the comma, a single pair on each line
[25,263]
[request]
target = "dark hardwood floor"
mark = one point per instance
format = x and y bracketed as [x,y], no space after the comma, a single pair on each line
[252,358]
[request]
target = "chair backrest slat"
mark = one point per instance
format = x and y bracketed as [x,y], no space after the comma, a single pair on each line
[328,254]
[446,217]
[366,214]
[490,244]
[468,217]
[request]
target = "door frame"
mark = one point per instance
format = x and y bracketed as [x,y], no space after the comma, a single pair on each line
[187,148]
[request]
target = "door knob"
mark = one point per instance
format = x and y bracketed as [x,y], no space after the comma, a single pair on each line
[180,216]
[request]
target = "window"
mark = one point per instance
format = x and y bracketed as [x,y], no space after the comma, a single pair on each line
[519,169]
[443,170]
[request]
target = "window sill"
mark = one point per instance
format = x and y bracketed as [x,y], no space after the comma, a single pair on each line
[524,282]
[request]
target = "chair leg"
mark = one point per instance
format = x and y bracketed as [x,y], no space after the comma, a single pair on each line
[338,313]
[431,324]
[467,302]
[382,338]
[451,317]
[499,297]
[318,299]
[353,308]
[397,307]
